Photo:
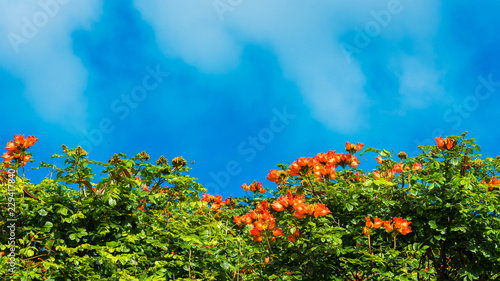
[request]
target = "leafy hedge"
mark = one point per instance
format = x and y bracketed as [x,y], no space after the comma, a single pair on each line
[430,217]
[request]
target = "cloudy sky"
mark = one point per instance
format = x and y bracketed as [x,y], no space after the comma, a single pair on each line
[239,86]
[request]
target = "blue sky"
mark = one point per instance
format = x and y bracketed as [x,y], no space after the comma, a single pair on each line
[239,86]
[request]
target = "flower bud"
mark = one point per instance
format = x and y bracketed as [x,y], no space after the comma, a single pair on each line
[143,156]
[115,159]
[80,152]
[162,160]
[402,155]
[179,162]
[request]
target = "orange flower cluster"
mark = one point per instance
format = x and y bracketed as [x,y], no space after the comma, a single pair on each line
[260,220]
[298,207]
[397,168]
[277,176]
[322,165]
[215,202]
[493,183]
[401,225]
[16,148]
[352,148]
[254,186]
[446,143]
[367,230]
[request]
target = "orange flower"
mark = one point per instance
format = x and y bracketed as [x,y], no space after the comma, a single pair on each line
[493,183]
[302,165]
[377,223]
[440,143]
[277,176]
[206,197]
[376,175]
[247,219]
[321,210]
[388,226]
[11,147]
[245,187]
[260,225]
[255,231]
[6,156]
[26,159]
[30,141]
[379,159]
[368,222]
[300,211]
[417,166]
[398,168]
[444,144]
[278,232]
[405,230]
[359,146]
[402,225]
[263,205]
[19,140]
[237,220]
[277,206]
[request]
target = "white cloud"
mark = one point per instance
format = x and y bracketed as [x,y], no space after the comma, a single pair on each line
[305,38]
[420,83]
[36,47]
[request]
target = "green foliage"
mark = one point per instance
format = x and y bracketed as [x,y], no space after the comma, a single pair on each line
[141,221]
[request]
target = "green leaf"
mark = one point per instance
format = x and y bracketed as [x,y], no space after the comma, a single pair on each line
[433,224]
[112,202]
[349,207]
[48,224]
[63,211]
[42,212]
[226,265]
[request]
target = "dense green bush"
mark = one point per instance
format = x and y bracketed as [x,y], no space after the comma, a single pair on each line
[430,217]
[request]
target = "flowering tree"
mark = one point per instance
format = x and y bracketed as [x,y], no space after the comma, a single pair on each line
[434,216]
